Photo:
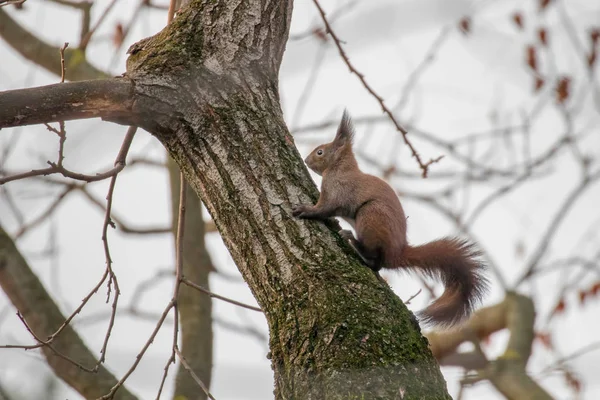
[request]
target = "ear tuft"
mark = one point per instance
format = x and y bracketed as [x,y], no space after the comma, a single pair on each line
[345,132]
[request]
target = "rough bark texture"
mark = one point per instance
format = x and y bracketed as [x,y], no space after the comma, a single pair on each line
[26,292]
[195,308]
[206,86]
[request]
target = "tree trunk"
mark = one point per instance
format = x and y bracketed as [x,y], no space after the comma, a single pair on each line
[206,86]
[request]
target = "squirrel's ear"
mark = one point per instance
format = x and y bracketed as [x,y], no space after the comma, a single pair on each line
[345,132]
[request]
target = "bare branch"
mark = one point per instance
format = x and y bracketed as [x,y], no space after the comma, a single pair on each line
[88,36]
[46,214]
[577,353]
[112,278]
[508,372]
[411,298]
[62,62]
[217,296]
[423,165]
[413,78]
[44,318]
[110,395]
[107,98]
[178,269]
[121,224]
[198,381]
[551,229]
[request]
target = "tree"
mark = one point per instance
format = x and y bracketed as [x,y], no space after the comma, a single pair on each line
[518,144]
[216,109]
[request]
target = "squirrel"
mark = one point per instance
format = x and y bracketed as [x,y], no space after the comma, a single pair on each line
[373,209]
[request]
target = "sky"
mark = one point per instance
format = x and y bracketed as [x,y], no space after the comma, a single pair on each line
[473,79]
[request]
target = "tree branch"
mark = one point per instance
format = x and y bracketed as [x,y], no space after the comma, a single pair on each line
[43,317]
[424,166]
[508,372]
[109,98]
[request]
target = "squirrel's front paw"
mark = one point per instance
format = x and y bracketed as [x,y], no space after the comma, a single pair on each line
[298,210]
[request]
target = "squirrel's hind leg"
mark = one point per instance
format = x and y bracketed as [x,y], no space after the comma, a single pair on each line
[373,261]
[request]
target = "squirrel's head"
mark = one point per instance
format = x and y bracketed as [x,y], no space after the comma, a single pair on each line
[329,155]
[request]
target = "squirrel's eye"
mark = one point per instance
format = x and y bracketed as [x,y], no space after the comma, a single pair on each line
[319,152]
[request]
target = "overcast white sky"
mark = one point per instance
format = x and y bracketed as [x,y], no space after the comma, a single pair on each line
[386,40]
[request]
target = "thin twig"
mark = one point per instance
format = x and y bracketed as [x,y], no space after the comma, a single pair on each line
[86,39]
[318,31]
[65,323]
[42,343]
[140,355]
[132,311]
[58,169]
[119,161]
[578,353]
[10,202]
[520,179]
[552,228]
[413,78]
[413,296]
[125,228]
[62,62]
[46,214]
[178,277]
[424,166]
[148,283]
[216,296]
[126,30]
[194,376]
[120,164]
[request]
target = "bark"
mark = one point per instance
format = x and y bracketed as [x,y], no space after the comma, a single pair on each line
[195,308]
[28,295]
[206,87]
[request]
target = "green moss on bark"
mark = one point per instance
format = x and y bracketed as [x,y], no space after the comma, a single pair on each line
[177,48]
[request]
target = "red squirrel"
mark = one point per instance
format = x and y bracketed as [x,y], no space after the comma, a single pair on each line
[372,207]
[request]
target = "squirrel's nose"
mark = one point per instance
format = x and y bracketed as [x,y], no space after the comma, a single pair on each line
[306,160]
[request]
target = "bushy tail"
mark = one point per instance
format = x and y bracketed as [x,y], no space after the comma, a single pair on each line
[456,263]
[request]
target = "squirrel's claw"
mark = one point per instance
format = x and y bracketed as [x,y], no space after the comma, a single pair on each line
[346,234]
[298,210]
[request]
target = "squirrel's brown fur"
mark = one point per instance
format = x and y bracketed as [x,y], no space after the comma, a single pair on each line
[372,207]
